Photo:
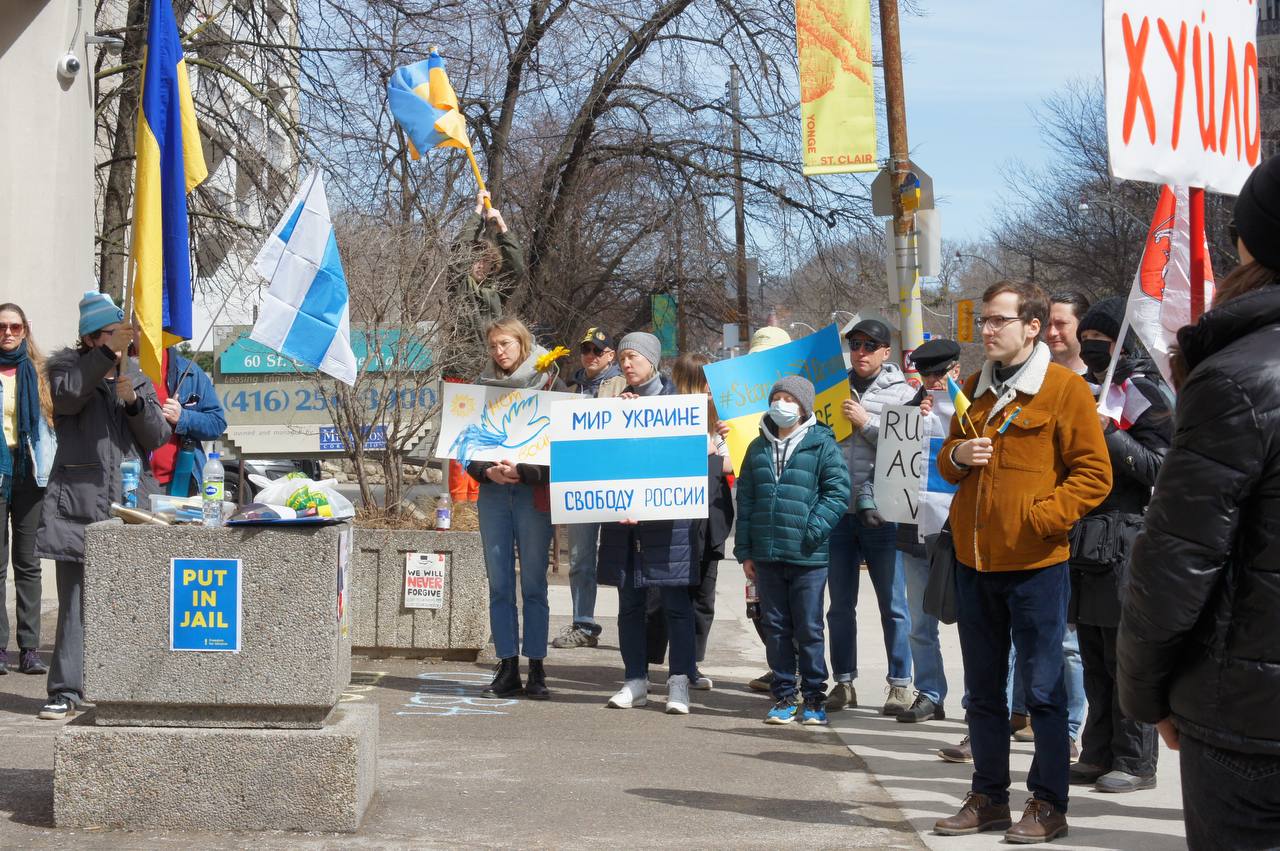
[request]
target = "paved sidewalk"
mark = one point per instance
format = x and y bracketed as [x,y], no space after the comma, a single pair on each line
[459,769]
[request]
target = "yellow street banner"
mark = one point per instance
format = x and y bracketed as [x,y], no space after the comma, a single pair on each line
[837,93]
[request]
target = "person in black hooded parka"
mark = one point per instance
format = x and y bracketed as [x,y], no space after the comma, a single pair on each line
[1118,754]
[1199,644]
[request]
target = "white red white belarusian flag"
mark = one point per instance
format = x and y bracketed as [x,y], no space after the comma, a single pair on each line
[1160,301]
[1124,404]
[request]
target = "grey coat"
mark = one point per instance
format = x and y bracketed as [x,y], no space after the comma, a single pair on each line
[95,434]
[890,387]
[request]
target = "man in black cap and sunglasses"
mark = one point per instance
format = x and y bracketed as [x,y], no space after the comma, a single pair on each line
[863,534]
[599,377]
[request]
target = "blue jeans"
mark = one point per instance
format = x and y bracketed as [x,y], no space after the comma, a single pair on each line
[677,610]
[1073,679]
[584,539]
[508,519]
[1029,607]
[791,613]
[926,652]
[851,543]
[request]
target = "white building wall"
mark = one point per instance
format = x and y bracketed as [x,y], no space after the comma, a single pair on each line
[46,167]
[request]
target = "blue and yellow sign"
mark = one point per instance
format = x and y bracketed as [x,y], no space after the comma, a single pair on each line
[204,604]
[740,386]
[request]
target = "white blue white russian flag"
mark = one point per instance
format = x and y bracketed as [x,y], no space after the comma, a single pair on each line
[305,313]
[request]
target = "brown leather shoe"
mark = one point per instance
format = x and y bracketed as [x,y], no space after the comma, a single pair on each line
[962,752]
[1040,823]
[977,814]
[1018,721]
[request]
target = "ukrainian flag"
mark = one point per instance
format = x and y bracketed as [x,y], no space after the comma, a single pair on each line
[961,403]
[424,103]
[170,163]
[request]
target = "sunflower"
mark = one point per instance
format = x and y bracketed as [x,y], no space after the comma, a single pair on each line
[462,406]
[544,363]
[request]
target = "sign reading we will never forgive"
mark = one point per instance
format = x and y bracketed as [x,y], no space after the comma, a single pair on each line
[1182,91]
[482,423]
[629,459]
[740,386]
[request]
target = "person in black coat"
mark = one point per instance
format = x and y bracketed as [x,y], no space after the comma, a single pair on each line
[662,554]
[1118,754]
[1199,645]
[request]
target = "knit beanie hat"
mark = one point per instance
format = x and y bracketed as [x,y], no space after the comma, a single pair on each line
[1257,214]
[97,311]
[1106,316]
[644,344]
[800,388]
[768,337]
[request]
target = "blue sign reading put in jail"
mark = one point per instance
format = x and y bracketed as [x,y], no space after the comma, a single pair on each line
[204,604]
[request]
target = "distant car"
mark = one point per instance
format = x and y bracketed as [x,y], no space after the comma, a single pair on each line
[271,469]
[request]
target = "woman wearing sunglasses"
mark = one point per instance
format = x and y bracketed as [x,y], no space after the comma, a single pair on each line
[25,458]
[104,412]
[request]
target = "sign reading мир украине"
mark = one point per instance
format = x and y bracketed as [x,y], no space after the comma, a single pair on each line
[204,604]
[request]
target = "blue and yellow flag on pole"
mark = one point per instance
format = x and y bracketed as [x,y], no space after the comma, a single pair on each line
[424,103]
[170,163]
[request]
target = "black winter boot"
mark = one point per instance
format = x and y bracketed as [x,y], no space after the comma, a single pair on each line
[536,688]
[506,679]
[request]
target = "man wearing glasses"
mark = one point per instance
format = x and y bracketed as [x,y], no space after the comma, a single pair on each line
[863,534]
[1029,460]
[599,377]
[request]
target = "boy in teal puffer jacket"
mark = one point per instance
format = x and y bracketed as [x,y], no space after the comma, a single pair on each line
[792,489]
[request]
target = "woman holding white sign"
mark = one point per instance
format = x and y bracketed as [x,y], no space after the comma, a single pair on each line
[514,507]
[662,554]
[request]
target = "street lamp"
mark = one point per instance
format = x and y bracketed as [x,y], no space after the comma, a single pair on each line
[994,267]
[836,314]
[1083,209]
[812,330]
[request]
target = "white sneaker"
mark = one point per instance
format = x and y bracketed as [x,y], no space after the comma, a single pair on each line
[632,693]
[702,683]
[678,695]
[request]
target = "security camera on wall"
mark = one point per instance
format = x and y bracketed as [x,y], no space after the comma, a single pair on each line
[69,66]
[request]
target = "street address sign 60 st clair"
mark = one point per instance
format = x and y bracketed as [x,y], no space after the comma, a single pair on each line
[381,350]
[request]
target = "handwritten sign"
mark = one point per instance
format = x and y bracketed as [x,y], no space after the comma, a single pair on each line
[900,455]
[740,386]
[204,604]
[424,580]
[629,459]
[1182,91]
[480,423]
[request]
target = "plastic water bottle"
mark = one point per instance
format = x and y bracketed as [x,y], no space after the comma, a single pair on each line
[213,478]
[444,512]
[130,473]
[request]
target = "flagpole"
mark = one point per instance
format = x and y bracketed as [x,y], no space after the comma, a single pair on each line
[475,168]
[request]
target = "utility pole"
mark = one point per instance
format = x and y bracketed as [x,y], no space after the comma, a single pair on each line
[739,214]
[910,324]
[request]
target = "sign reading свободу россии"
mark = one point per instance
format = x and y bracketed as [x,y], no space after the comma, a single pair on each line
[629,459]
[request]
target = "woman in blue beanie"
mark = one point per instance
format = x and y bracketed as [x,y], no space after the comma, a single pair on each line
[104,412]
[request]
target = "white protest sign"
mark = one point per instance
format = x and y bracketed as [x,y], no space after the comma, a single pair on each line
[424,578]
[1182,91]
[629,459]
[899,464]
[481,423]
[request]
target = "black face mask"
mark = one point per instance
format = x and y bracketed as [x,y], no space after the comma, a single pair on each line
[1096,355]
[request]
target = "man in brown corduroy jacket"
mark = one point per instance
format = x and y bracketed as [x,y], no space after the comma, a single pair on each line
[1029,460]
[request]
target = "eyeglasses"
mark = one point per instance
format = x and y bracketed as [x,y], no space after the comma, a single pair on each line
[588,349]
[995,323]
[864,345]
[503,345]
[14,328]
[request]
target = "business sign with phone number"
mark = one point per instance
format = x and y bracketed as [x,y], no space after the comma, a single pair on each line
[293,403]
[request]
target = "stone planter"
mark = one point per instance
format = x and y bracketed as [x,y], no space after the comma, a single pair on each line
[380,622]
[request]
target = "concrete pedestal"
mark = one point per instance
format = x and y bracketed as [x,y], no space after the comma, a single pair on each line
[191,778]
[217,740]
[380,622]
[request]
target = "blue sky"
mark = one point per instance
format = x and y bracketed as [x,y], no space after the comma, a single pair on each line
[974,69]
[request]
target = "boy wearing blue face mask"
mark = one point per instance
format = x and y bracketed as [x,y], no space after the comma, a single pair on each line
[792,490]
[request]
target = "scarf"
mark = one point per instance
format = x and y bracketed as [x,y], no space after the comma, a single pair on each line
[29,414]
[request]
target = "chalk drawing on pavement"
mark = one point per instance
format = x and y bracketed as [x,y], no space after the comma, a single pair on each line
[451,694]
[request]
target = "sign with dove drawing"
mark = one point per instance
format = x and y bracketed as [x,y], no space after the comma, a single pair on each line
[480,423]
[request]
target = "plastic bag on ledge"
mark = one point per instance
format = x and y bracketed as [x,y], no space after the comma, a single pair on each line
[301,493]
